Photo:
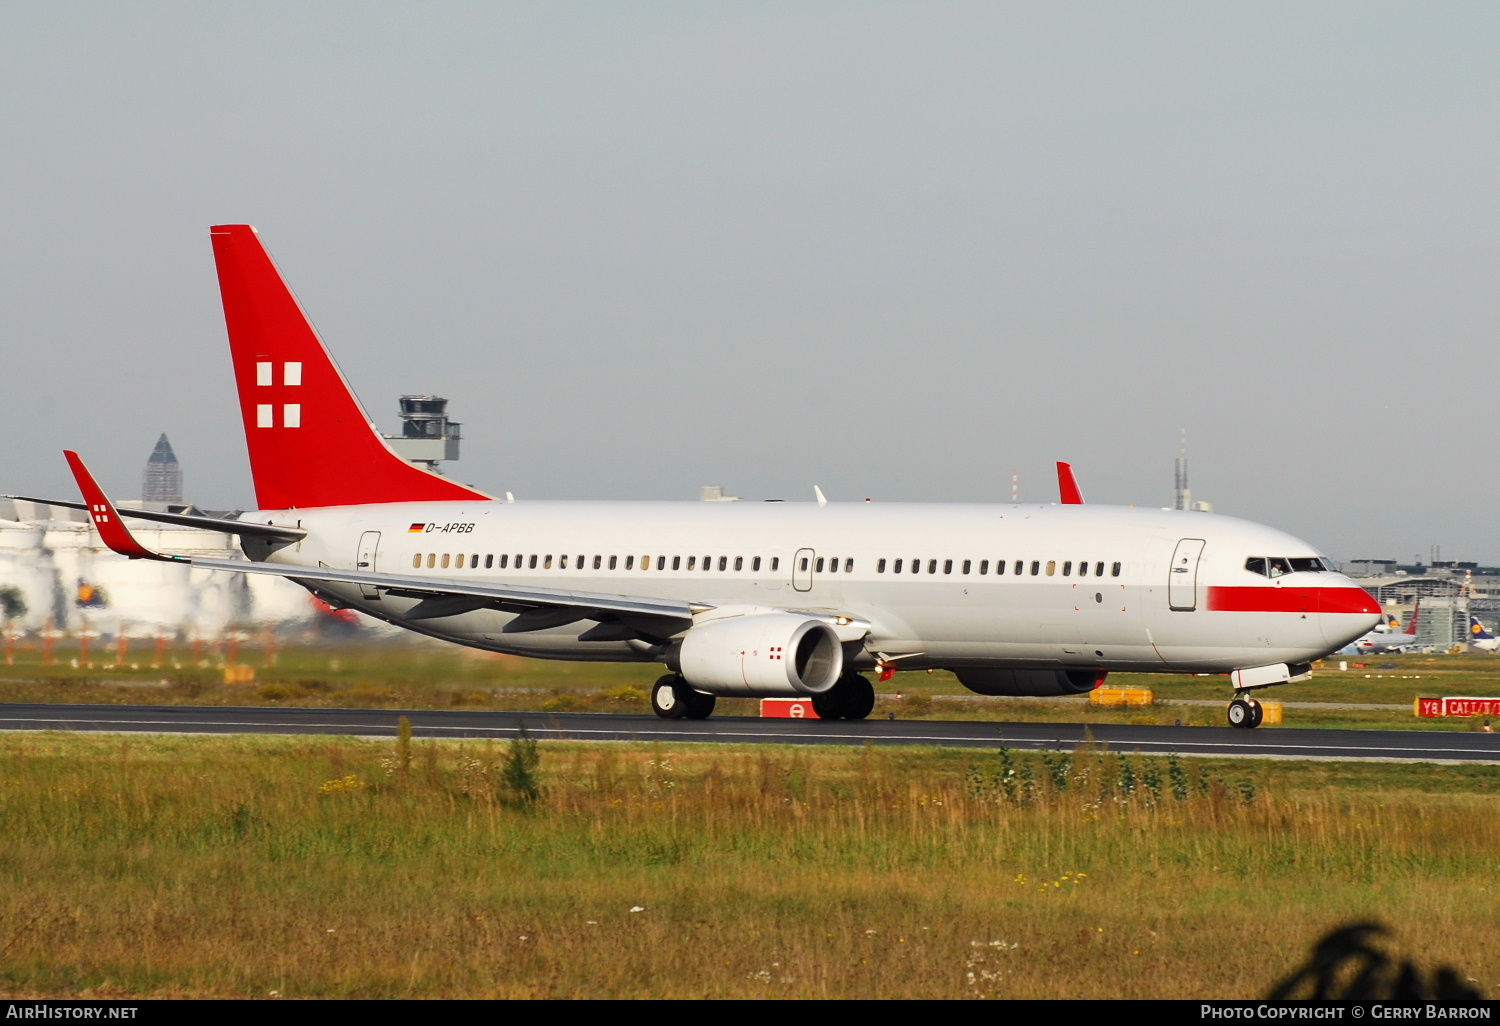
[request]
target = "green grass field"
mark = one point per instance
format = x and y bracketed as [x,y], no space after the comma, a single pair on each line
[420,674]
[251,867]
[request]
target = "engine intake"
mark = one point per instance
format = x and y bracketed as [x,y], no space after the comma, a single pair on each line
[761,654]
[1030,683]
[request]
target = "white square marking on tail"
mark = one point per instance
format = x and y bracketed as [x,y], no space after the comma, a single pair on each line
[291,415]
[263,373]
[291,374]
[265,415]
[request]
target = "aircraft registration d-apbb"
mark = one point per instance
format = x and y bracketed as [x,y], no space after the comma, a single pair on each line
[742,598]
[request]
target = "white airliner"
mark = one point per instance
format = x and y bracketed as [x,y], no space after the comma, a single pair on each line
[743,598]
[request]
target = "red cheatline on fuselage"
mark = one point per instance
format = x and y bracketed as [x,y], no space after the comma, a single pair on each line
[1291,600]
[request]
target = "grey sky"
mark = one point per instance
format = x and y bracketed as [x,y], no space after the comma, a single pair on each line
[899,250]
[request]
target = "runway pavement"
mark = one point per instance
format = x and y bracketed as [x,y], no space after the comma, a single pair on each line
[1424,746]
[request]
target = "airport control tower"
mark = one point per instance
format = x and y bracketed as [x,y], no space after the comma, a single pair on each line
[162,480]
[427,435]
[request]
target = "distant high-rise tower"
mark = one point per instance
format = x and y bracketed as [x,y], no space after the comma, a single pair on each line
[1184,499]
[1184,496]
[162,481]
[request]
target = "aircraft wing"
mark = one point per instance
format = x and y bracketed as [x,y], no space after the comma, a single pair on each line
[220,524]
[497,596]
[442,597]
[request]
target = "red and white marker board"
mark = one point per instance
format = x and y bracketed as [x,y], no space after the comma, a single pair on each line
[788,709]
[1455,707]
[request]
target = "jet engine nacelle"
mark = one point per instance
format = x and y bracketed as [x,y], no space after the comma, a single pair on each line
[761,654]
[1030,683]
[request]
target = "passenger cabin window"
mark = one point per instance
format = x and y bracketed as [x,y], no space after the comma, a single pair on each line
[445,561]
[489,561]
[474,561]
[897,567]
[916,566]
[1114,570]
[1051,567]
[723,563]
[1099,569]
[984,567]
[804,563]
[692,562]
[416,560]
[1083,569]
[775,562]
[880,566]
[431,560]
[755,563]
[1020,567]
[739,562]
[966,566]
[1068,568]
[597,560]
[947,566]
[1036,567]
[676,562]
[819,565]
[613,561]
[848,566]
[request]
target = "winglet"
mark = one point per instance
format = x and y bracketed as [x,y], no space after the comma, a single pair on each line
[106,520]
[1068,491]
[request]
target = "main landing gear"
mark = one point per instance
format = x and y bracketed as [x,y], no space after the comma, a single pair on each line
[852,697]
[672,698]
[1245,711]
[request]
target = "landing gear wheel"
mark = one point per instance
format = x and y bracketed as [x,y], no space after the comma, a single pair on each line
[829,704]
[1257,713]
[671,698]
[859,696]
[700,706]
[852,697]
[1241,714]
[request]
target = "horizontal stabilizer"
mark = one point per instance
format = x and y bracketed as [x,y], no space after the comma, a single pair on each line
[221,524]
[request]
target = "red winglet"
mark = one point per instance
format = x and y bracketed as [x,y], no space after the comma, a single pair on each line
[1067,486]
[102,512]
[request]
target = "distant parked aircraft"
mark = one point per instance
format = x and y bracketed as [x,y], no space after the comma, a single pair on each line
[1386,637]
[1480,637]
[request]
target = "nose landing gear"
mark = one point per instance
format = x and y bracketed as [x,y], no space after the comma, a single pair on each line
[1245,712]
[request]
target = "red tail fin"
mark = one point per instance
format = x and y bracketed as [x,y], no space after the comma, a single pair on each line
[310,442]
[1416,611]
[1067,486]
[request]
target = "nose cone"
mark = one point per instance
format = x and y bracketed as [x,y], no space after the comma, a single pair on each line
[1345,611]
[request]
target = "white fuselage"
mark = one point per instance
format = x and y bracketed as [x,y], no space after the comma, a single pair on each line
[1083,586]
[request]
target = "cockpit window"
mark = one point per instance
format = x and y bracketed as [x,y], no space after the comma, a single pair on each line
[1277,566]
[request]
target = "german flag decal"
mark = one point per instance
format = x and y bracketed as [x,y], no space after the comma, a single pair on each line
[416,529]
